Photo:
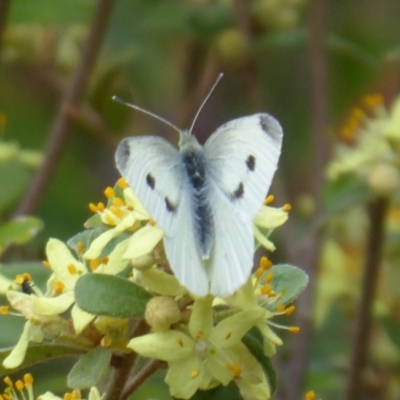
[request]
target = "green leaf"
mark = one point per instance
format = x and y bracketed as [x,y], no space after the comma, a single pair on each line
[19,231]
[345,192]
[14,178]
[95,222]
[89,369]
[102,294]
[85,237]
[392,329]
[37,353]
[254,342]
[288,280]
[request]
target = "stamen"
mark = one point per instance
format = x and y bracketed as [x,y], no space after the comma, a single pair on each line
[152,222]
[46,264]
[100,207]
[270,199]
[287,207]
[235,369]
[310,395]
[281,308]
[109,220]
[269,278]
[80,246]
[266,289]
[122,183]
[104,260]
[4,310]
[294,329]
[228,335]
[265,263]
[290,310]
[19,385]
[195,373]
[58,286]
[28,380]
[199,335]
[259,272]
[76,395]
[94,264]
[105,341]
[109,192]
[117,202]
[7,380]
[93,207]
[180,342]
[117,211]
[72,269]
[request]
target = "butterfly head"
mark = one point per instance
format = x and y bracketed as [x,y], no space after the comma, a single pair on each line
[187,141]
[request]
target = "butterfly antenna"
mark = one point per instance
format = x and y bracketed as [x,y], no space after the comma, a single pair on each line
[135,107]
[220,76]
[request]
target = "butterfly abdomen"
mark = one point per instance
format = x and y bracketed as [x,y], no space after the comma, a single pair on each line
[195,171]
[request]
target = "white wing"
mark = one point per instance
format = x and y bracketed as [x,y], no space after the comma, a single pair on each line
[152,167]
[241,158]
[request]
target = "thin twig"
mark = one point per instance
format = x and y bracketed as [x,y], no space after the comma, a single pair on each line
[72,99]
[122,366]
[318,61]
[363,324]
[148,370]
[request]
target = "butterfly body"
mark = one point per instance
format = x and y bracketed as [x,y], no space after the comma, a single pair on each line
[205,197]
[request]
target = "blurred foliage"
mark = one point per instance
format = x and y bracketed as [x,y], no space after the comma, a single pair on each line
[155,55]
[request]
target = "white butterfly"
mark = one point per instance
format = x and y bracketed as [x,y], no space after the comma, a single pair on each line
[205,198]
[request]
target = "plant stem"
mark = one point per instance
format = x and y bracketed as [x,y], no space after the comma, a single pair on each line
[311,250]
[141,377]
[4,9]
[363,324]
[72,99]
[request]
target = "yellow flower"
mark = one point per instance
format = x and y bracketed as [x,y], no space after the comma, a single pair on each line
[203,356]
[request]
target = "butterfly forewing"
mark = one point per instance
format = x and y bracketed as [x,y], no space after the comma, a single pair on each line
[151,166]
[242,157]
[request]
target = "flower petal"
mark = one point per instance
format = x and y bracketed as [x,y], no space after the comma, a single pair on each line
[270,217]
[159,282]
[80,318]
[231,330]
[260,237]
[59,257]
[184,377]
[97,246]
[201,320]
[30,333]
[52,305]
[143,241]
[166,346]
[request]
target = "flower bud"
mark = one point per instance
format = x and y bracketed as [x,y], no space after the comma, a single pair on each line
[161,312]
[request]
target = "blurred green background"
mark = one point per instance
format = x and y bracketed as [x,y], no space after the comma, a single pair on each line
[164,56]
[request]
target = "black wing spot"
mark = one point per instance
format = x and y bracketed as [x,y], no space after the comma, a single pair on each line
[251,162]
[171,207]
[151,181]
[239,192]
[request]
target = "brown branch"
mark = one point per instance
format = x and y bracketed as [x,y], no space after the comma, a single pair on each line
[148,370]
[121,367]
[72,99]
[4,9]
[363,324]
[319,75]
